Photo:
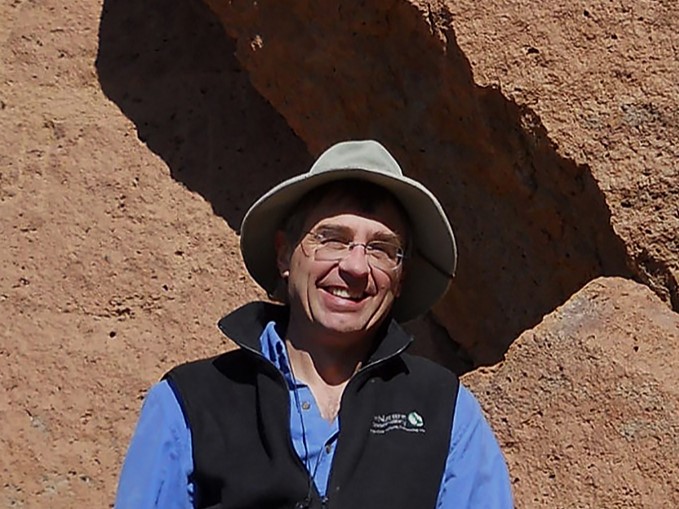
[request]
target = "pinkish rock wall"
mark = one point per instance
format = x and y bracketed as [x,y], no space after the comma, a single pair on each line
[601,77]
[132,141]
[586,404]
[128,139]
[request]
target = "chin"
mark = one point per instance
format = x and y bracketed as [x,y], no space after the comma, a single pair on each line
[343,326]
[345,320]
[349,325]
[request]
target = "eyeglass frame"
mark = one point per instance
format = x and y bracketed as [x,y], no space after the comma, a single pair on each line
[349,246]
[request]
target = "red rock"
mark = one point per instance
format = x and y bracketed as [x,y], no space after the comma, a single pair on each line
[586,405]
[131,143]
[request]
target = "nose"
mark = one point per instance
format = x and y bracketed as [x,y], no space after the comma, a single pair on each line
[356,262]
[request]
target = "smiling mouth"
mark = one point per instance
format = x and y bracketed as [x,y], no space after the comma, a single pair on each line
[344,293]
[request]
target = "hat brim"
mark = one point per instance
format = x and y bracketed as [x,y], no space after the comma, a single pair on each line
[428,270]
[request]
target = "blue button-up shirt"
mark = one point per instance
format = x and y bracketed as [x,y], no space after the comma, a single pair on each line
[159,463]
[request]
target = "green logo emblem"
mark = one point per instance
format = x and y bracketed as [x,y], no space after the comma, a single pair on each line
[415,419]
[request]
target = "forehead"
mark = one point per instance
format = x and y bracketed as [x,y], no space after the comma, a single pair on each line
[346,211]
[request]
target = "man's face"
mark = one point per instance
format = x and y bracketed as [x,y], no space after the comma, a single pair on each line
[345,299]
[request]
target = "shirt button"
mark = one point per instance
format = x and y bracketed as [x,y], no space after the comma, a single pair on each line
[328,448]
[306,405]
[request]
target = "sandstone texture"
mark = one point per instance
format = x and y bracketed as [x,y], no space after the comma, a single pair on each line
[586,405]
[132,141]
[115,261]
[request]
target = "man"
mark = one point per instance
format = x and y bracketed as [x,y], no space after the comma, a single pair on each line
[320,407]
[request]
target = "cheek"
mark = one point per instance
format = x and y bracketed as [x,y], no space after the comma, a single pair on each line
[302,271]
[390,284]
[397,283]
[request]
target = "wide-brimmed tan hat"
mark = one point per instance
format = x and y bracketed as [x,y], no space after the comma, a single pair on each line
[432,262]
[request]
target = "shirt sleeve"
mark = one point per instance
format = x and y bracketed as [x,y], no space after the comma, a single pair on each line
[476,475]
[159,461]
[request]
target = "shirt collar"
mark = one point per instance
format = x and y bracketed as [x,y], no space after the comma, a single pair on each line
[274,350]
[246,326]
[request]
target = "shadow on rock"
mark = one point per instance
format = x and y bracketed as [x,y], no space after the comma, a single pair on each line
[170,68]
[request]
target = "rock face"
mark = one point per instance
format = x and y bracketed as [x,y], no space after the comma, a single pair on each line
[132,142]
[548,136]
[117,247]
[586,405]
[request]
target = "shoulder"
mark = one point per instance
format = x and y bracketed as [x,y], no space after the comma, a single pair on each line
[206,385]
[428,370]
[467,402]
[476,473]
[158,463]
[423,379]
[161,403]
[470,424]
[161,424]
[204,369]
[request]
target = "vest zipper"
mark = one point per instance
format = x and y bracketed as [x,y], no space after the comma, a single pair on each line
[281,378]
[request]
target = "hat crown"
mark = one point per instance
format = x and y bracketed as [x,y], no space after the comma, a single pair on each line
[359,155]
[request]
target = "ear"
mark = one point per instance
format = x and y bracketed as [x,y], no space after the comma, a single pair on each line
[283,253]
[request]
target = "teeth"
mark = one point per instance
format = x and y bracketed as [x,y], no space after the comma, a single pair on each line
[343,293]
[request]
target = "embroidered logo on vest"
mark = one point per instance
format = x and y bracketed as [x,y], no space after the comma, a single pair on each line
[383,423]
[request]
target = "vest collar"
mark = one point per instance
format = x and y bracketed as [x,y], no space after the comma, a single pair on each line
[245,325]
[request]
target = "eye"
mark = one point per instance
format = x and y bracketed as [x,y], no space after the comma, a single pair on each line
[334,244]
[384,250]
[332,241]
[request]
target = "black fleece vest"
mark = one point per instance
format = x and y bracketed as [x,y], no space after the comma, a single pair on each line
[395,423]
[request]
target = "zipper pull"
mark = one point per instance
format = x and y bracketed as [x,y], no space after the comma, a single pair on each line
[324,502]
[304,504]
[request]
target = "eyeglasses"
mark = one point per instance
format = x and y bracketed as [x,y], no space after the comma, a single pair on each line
[324,247]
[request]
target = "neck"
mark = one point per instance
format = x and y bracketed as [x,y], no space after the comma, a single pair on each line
[314,366]
[324,359]
[326,371]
